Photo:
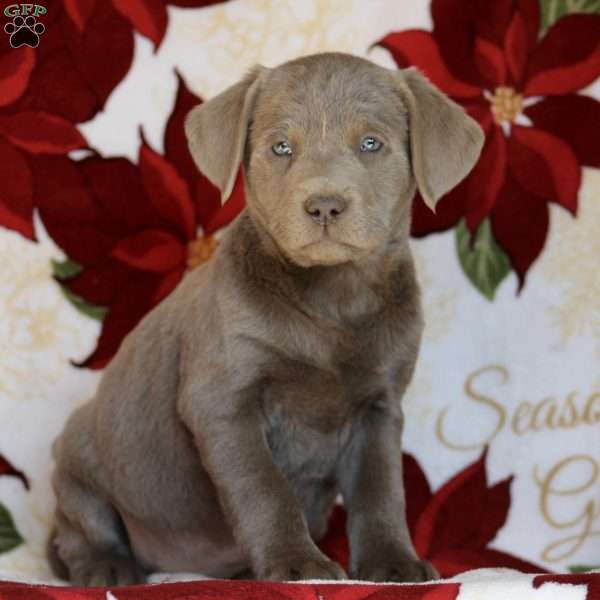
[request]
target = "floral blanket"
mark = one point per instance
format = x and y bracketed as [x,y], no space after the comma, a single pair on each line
[488,584]
[102,213]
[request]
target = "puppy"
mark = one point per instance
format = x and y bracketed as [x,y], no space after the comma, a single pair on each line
[271,379]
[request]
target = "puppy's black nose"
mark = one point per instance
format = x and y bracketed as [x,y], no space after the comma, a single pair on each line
[324,209]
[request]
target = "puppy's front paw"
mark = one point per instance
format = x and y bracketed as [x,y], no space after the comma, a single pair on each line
[300,568]
[107,571]
[402,570]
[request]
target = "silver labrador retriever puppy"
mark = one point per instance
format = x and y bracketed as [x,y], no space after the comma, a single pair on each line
[272,378]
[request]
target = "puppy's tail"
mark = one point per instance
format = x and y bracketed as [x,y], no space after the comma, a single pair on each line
[59,568]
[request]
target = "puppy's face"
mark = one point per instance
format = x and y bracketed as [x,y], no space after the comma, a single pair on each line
[333,147]
[328,171]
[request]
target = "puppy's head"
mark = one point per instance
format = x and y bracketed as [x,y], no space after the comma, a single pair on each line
[333,147]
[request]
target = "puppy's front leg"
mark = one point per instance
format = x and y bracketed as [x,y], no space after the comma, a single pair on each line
[258,503]
[370,478]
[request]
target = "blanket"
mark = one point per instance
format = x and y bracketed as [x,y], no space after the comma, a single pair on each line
[102,213]
[485,583]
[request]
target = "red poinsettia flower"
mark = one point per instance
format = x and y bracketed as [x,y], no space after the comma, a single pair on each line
[521,89]
[133,228]
[7,469]
[65,80]
[43,92]
[148,17]
[451,528]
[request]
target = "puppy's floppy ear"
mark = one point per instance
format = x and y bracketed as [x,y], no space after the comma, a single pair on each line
[445,142]
[216,131]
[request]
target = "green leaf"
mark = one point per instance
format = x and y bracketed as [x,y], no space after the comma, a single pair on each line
[552,10]
[482,260]
[9,536]
[65,269]
[582,568]
[91,310]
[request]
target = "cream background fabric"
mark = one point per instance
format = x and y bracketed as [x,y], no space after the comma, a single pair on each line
[484,367]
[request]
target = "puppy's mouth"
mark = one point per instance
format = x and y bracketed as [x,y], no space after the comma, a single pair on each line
[327,250]
[325,238]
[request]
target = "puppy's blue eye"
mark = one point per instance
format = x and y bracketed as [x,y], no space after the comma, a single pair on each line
[370,144]
[282,149]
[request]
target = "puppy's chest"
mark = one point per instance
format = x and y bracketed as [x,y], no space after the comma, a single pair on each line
[302,451]
[310,412]
[318,383]
[323,379]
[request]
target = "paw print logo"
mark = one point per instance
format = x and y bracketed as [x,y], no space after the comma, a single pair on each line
[24,31]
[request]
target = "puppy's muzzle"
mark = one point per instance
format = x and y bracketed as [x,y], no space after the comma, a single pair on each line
[325,210]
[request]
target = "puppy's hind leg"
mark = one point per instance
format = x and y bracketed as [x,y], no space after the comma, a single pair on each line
[89,538]
[57,566]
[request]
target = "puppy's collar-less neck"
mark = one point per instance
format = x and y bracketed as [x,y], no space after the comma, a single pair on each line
[329,291]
